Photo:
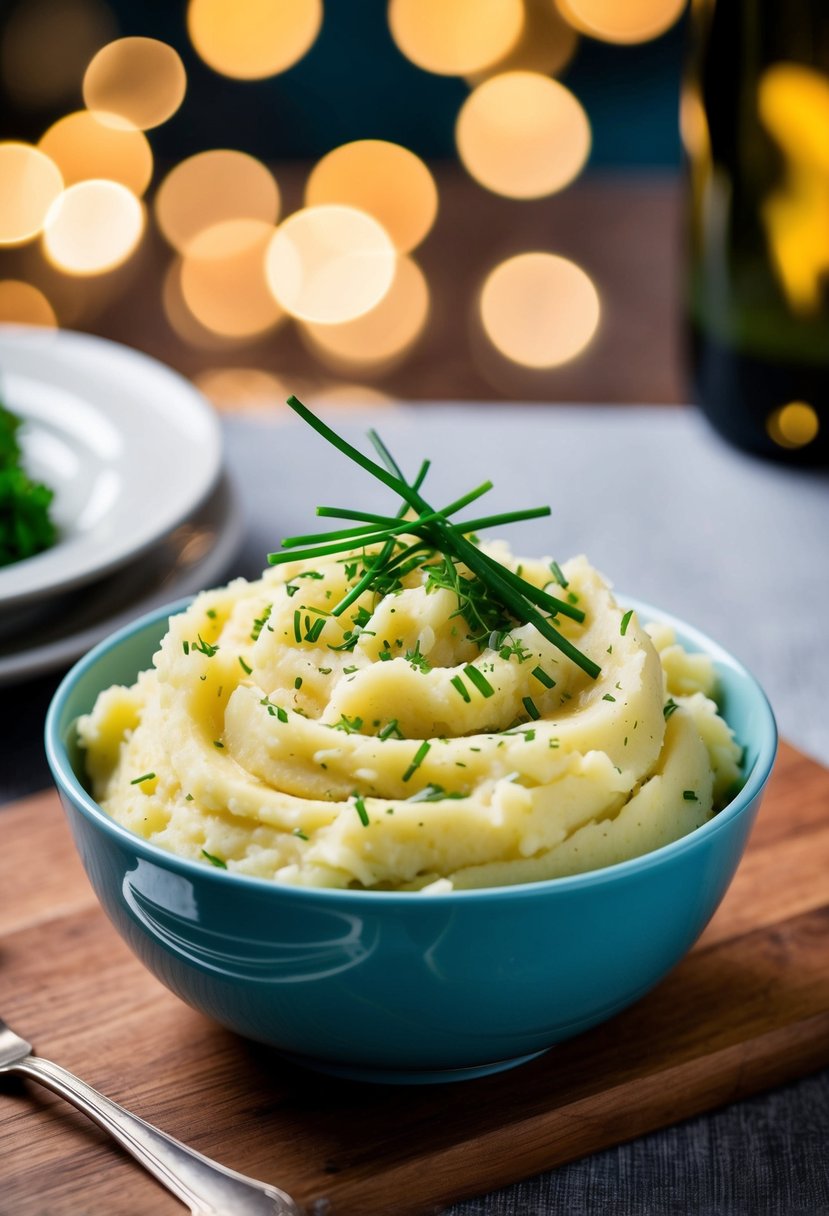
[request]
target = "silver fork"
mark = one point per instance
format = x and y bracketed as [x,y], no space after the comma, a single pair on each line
[208,1189]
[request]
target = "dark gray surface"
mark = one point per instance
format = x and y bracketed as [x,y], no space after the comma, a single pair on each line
[736,546]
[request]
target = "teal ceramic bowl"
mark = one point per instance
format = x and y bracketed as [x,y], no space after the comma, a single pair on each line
[399,987]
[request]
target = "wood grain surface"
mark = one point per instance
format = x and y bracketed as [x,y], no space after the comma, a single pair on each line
[748,1009]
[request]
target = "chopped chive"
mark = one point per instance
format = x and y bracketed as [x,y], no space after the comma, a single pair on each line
[247,670]
[298,625]
[291,589]
[608,697]
[418,758]
[211,612]
[299,832]
[260,622]
[391,728]
[558,574]
[360,808]
[351,726]
[312,632]
[623,628]
[531,708]
[435,793]
[188,797]
[185,646]
[218,743]
[298,682]
[214,860]
[689,796]
[479,680]
[325,671]
[145,777]
[669,708]
[458,684]
[542,677]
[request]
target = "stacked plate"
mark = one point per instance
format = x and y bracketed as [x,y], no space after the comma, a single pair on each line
[144,512]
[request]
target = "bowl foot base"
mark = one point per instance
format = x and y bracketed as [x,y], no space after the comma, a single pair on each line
[405,1076]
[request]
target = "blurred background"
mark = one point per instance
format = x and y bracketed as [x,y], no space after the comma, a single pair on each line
[167,170]
[433,199]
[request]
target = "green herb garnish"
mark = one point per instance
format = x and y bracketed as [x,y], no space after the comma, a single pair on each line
[25,525]
[623,628]
[689,796]
[351,726]
[669,708]
[542,677]
[214,860]
[418,758]
[493,590]
[531,708]
[479,680]
[247,670]
[360,808]
[459,686]
[558,575]
[145,777]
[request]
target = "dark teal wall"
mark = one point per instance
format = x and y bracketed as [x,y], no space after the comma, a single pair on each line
[354,84]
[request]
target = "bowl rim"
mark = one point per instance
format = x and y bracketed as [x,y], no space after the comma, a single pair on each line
[68,784]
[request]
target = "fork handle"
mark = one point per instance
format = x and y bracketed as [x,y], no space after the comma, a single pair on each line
[208,1189]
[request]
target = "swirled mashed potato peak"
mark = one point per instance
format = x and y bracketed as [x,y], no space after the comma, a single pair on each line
[385,748]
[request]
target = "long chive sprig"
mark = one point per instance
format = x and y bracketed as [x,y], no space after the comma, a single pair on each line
[436,533]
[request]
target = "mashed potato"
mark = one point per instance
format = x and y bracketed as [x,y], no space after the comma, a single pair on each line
[387,749]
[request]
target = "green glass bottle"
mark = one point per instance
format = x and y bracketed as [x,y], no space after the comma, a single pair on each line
[755,125]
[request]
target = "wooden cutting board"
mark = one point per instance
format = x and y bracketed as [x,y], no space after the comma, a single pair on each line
[748,1009]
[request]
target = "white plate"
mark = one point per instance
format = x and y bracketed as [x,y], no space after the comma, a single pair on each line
[129,447]
[194,556]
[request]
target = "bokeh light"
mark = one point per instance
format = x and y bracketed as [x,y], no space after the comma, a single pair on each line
[330,264]
[23,304]
[539,310]
[793,105]
[29,185]
[350,396]
[242,388]
[522,135]
[382,335]
[793,425]
[383,179]
[251,39]
[93,227]
[622,21]
[213,187]
[546,44]
[223,279]
[83,147]
[455,37]
[46,46]
[135,82]
[181,320]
